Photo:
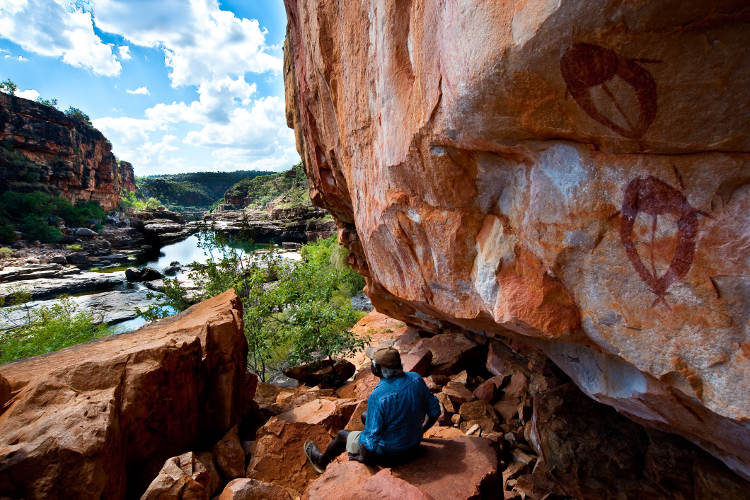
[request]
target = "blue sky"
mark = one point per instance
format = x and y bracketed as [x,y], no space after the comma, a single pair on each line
[176,85]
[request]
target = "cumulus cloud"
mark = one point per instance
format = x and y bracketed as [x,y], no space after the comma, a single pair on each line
[138,91]
[57,28]
[124,51]
[28,94]
[200,41]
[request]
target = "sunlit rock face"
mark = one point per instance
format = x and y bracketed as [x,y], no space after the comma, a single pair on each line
[573,175]
[45,150]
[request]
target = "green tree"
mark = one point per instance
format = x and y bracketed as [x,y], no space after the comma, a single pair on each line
[9,87]
[78,115]
[47,102]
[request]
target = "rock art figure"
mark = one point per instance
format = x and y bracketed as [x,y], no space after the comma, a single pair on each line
[655,198]
[585,66]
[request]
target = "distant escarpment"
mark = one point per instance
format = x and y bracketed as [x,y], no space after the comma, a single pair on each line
[43,149]
[192,193]
[274,207]
[573,176]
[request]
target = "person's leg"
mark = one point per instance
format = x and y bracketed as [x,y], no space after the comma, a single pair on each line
[335,448]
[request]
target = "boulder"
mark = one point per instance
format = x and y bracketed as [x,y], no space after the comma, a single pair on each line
[457,392]
[229,455]
[355,421]
[450,351]
[99,419]
[433,474]
[214,478]
[333,414]
[418,360]
[78,258]
[478,413]
[5,392]
[252,489]
[325,372]
[565,174]
[181,478]
[143,274]
[277,456]
[487,390]
[85,232]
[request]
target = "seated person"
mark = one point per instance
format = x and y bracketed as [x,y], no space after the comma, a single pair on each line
[399,410]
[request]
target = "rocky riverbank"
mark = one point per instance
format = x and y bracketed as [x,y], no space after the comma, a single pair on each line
[298,224]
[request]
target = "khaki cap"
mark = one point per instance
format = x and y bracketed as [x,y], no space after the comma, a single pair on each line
[385,356]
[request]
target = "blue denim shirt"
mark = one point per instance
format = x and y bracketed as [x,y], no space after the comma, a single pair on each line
[396,411]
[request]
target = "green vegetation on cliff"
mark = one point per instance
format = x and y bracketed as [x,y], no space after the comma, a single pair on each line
[283,190]
[36,215]
[199,190]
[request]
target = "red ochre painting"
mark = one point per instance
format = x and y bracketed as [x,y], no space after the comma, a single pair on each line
[585,66]
[655,197]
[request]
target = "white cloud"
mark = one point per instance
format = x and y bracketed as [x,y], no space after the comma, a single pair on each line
[30,94]
[138,91]
[217,99]
[57,28]
[124,51]
[200,41]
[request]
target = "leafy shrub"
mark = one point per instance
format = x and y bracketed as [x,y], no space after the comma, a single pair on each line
[7,233]
[52,103]
[8,86]
[79,115]
[49,329]
[5,252]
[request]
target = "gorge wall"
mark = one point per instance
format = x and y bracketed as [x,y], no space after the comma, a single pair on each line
[573,176]
[43,149]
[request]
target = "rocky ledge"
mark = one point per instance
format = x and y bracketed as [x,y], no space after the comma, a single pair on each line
[297,224]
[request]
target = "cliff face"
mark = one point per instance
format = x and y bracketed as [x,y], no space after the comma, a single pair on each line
[43,149]
[571,175]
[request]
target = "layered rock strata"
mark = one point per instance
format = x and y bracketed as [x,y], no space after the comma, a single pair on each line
[98,420]
[571,175]
[296,224]
[43,149]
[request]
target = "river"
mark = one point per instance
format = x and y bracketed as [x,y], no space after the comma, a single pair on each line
[117,306]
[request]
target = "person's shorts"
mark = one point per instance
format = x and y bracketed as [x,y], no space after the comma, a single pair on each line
[352,444]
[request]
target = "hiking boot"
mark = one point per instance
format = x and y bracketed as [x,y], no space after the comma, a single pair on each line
[314,456]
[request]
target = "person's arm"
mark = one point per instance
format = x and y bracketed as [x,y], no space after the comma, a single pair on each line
[433,408]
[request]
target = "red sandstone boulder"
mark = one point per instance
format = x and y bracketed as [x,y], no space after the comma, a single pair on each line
[182,478]
[434,474]
[417,361]
[450,351]
[99,419]
[355,421]
[326,373]
[214,478]
[229,455]
[277,456]
[5,392]
[333,414]
[252,489]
